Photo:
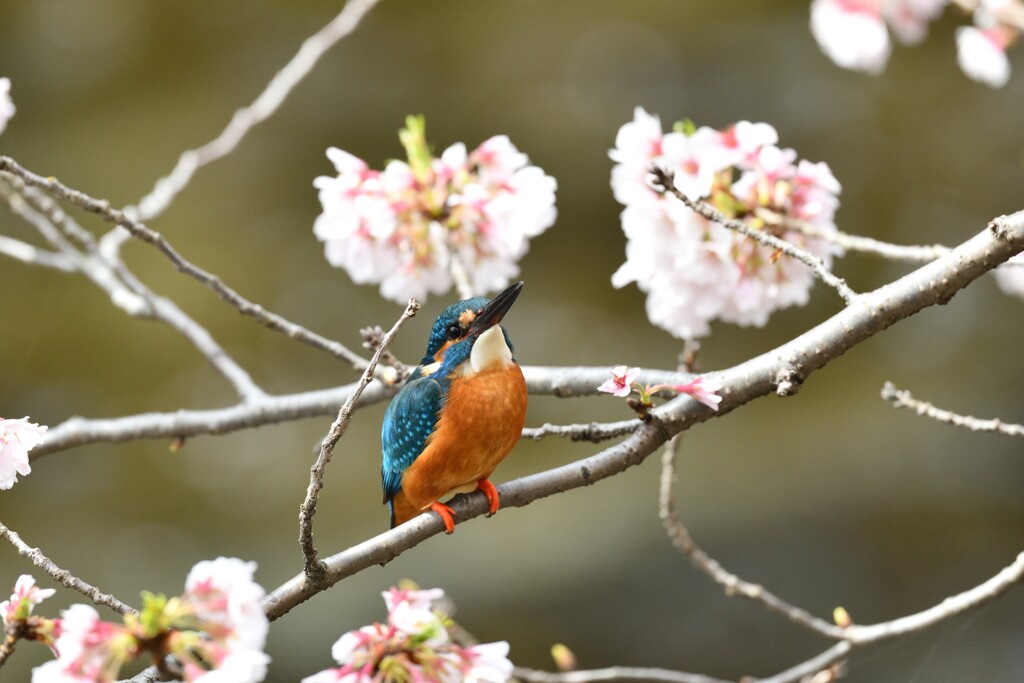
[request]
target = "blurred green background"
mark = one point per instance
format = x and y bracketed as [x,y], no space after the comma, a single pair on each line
[828,498]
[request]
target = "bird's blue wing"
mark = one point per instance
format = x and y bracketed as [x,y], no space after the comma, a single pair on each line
[409,420]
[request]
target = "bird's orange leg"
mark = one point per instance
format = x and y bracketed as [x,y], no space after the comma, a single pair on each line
[446,515]
[487,487]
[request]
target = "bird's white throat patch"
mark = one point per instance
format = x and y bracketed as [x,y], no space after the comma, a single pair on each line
[490,352]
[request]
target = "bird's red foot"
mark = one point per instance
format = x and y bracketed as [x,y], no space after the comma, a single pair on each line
[487,487]
[446,515]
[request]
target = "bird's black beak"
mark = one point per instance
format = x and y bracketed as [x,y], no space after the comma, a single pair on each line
[495,309]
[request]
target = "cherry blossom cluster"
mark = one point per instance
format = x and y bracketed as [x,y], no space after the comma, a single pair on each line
[414,645]
[408,226]
[855,33]
[16,613]
[17,438]
[6,104]
[623,382]
[215,630]
[694,270]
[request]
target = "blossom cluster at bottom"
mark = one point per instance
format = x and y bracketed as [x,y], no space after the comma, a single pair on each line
[414,645]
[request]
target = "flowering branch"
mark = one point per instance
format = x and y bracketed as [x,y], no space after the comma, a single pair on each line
[781,370]
[313,567]
[902,399]
[103,209]
[243,120]
[63,576]
[663,182]
[563,382]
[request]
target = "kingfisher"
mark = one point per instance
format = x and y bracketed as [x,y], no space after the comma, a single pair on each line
[461,412]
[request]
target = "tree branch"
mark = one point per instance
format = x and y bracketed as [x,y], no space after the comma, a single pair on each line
[280,86]
[314,569]
[63,576]
[564,382]
[103,209]
[733,585]
[902,399]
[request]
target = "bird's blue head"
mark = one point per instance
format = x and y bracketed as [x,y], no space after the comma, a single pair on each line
[459,326]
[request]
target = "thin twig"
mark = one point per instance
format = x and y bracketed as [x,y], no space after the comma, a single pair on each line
[594,432]
[103,209]
[733,585]
[613,673]
[314,568]
[34,256]
[63,576]
[663,182]
[918,253]
[460,275]
[902,399]
[125,290]
[243,120]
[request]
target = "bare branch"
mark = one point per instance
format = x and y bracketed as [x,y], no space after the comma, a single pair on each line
[864,245]
[733,585]
[313,48]
[125,290]
[314,569]
[902,399]
[664,184]
[595,432]
[63,576]
[614,673]
[34,256]
[103,209]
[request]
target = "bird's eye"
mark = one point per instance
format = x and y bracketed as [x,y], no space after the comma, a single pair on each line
[454,331]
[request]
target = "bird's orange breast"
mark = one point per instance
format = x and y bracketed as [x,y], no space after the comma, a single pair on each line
[480,424]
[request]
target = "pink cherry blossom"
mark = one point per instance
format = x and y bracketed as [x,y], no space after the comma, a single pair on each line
[412,647]
[228,602]
[704,390]
[6,104]
[404,226]
[17,438]
[216,631]
[982,55]
[852,33]
[91,650]
[695,271]
[26,596]
[621,382]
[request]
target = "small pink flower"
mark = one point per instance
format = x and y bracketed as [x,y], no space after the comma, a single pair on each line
[91,650]
[489,663]
[852,33]
[982,55]
[702,389]
[17,438]
[228,602]
[621,382]
[26,596]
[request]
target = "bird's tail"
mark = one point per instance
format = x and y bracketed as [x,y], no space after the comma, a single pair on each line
[401,509]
